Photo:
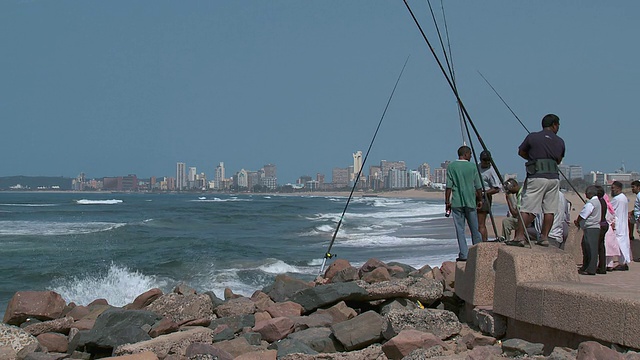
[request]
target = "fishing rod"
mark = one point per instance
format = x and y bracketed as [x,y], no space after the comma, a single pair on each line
[527,130]
[449,60]
[457,95]
[328,254]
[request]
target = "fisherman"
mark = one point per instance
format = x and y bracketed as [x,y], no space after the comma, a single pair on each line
[543,151]
[463,196]
[491,184]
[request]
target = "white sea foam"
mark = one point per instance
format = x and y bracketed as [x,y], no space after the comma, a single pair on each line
[279,267]
[52,228]
[98,202]
[30,205]
[372,241]
[119,286]
[217,199]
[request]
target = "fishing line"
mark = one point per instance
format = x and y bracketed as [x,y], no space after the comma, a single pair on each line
[328,254]
[460,113]
[527,130]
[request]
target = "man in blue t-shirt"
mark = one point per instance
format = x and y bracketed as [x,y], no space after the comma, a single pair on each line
[543,151]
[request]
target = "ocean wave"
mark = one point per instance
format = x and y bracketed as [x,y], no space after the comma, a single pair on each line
[369,241]
[279,267]
[30,205]
[119,286]
[49,228]
[217,199]
[98,202]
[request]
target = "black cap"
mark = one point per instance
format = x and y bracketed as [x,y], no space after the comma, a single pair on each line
[485,155]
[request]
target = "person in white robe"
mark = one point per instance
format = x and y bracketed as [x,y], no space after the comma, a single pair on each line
[620,205]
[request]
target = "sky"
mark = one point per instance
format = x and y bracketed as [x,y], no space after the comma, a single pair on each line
[111,88]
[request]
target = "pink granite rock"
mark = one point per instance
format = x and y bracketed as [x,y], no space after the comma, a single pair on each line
[407,341]
[236,306]
[370,265]
[377,275]
[78,312]
[262,300]
[274,329]
[162,327]
[145,299]
[54,342]
[591,350]
[287,308]
[43,305]
[335,267]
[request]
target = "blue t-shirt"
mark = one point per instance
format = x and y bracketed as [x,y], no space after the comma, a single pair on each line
[543,144]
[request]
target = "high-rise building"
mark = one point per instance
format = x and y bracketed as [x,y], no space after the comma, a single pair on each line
[242,179]
[181,176]
[270,171]
[425,171]
[270,179]
[218,179]
[340,177]
[357,164]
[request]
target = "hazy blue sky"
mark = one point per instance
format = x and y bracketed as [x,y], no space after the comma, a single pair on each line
[116,87]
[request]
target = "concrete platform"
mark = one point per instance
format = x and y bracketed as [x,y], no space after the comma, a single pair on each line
[544,299]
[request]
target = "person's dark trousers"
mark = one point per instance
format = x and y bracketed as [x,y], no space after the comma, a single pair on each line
[631,225]
[590,250]
[602,255]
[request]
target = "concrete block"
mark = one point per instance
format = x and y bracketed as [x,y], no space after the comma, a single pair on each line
[530,303]
[602,315]
[631,331]
[635,249]
[560,307]
[516,266]
[475,281]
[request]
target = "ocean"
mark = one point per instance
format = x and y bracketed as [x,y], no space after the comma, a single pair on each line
[116,246]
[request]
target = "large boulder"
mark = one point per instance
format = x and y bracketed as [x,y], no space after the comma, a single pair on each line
[42,305]
[441,323]
[145,299]
[235,323]
[274,329]
[336,267]
[323,295]
[181,308]
[591,350]
[284,287]
[13,339]
[415,288]
[116,327]
[174,343]
[361,331]
[287,308]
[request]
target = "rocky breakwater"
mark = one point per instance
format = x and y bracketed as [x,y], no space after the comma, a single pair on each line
[378,311]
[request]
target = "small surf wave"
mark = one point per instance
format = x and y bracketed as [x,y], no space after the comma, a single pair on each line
[49,228]
[98,202]
[119,286]
[30,205]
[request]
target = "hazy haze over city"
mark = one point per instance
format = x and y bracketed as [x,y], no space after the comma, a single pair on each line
[113,88]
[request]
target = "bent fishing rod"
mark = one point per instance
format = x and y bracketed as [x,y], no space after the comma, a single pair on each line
[328,254]
[528,132]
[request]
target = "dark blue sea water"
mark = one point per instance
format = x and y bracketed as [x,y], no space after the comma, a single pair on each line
[116,246]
